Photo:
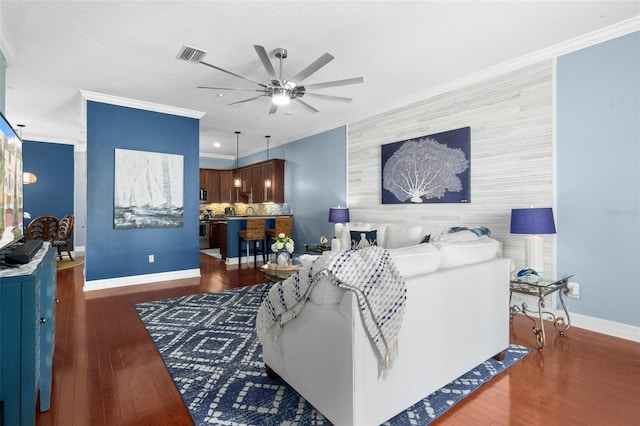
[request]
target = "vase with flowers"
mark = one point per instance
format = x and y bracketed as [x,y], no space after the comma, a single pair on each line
[282,247]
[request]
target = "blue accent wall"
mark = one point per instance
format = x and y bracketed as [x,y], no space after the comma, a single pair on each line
[112,253]
[52,194]
[316,179]
[598,161]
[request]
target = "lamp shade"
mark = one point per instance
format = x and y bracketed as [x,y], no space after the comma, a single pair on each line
[338,215]
[532,221]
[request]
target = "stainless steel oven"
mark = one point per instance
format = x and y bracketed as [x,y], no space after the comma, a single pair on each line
[204,234]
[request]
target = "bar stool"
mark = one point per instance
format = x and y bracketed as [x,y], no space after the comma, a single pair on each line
[284,225]
[255,233]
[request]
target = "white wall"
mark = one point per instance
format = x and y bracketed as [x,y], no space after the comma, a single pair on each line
[511,120]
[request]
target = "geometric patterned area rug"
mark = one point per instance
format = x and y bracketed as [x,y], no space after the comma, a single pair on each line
[209,346]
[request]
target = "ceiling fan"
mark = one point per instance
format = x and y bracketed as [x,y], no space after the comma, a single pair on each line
[280,90]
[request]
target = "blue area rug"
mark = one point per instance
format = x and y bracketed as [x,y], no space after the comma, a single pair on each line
[211,350]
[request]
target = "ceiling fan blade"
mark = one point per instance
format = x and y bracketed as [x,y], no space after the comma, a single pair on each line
[230,88]
[273,108]
[233,74]
[306,105]
[335,83]
[266,62]
[245,100]
[313,67]
[329,97]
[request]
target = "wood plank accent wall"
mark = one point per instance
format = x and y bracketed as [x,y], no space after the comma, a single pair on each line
[511,120]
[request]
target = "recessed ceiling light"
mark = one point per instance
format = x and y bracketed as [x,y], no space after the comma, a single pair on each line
[220,95]
[216,144]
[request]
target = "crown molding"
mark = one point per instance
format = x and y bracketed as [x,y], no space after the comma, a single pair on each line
[551,53]
[134,103]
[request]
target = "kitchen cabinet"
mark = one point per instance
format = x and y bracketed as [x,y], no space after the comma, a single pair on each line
[203,179]
[222,232]
[213,187]
[226,186]
[260,182]
[214,234]
[273,177]
[27,338]
[218,183]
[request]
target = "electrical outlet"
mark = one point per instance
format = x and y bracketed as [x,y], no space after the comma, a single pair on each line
[152,258]
[574,290]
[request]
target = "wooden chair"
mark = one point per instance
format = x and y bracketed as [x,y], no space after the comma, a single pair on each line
[283,225]
[43,228]
[255,233]
[63,239]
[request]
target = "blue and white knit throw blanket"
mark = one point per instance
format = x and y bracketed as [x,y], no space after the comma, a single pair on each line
[373,278]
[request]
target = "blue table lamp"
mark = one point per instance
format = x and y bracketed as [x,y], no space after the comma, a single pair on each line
[533,222]
[339,216]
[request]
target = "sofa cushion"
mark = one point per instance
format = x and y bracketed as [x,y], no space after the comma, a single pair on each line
[463,235]
[478,230]
[458,253]
[416,260]
[402,235]
[362,239]
[380,228]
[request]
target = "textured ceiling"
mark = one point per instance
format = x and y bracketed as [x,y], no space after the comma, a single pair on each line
[401,48]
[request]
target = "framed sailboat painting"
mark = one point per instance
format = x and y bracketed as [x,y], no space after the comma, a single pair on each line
[148,190]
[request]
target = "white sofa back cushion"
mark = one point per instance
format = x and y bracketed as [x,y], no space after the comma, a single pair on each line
[416,260]
[458,253]
[389,235]
[402,235]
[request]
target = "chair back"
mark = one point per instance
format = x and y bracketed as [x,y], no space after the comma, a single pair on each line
[43,228]
[255,229]
[65,227]
[284,225]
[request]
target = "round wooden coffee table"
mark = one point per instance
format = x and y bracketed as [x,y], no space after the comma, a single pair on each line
[274,273]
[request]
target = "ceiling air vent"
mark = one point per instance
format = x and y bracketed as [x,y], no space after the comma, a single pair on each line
[191,54]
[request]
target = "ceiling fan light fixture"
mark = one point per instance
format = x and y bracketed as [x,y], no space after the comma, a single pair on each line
[280,97]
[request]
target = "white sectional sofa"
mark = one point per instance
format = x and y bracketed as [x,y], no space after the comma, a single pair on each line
[456,316]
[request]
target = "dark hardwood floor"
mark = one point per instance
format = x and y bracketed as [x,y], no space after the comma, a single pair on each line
[107,371]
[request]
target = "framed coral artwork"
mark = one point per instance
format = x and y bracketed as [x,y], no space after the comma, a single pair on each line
[429,169]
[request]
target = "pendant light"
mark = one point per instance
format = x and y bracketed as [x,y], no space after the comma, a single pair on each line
[236,181]
[267,181]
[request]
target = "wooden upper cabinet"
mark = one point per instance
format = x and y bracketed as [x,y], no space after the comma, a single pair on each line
[257,186]
[226,186]
[272,181]
[263,181]
[277,181]
[213,188]
[203,178]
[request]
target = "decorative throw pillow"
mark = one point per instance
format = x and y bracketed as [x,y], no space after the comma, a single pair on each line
[362,239]
[425,239]
[478,230]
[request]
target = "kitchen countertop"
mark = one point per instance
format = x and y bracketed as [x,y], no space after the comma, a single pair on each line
[272,216]
[224,219]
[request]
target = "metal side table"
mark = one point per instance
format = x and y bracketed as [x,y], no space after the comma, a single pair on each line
[541,289]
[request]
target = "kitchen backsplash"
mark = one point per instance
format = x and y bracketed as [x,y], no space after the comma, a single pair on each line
[256,209]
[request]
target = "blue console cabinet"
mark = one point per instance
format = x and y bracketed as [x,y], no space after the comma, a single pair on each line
[27,337]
